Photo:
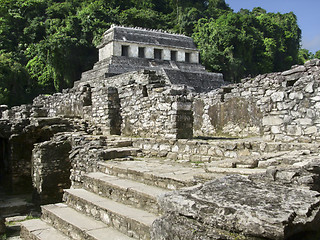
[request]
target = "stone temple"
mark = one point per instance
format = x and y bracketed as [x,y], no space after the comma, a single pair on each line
[148,145]
[126,49]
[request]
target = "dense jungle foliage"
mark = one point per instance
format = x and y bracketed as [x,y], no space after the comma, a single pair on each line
[46,44]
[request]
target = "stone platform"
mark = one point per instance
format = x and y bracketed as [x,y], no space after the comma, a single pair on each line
[137,196]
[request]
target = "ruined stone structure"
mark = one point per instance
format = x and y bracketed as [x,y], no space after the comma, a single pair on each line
[151,146]
[131,49]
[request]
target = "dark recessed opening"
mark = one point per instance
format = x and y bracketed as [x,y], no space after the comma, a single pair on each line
[290,83]
[141,52]
[187,57]
[125,51]
[157,53]
[173,55]
[144,91]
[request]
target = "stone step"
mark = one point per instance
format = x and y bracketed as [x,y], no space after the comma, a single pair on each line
[241,171]
[78,226]
[128,220]
[36,229]
[120,152]
[116,142]
[156,172]
[124,190]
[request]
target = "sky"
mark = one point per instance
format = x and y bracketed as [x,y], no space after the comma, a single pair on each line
[307,12]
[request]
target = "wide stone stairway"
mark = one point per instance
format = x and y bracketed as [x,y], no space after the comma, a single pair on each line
[119,200]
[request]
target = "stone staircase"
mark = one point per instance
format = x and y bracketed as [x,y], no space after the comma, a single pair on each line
[104,206]
[119,200]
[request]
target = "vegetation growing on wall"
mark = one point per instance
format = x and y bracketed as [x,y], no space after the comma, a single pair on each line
[46,44]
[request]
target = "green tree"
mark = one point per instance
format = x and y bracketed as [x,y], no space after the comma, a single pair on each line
[14,81]
[248,43]
[305,55]
[317,54]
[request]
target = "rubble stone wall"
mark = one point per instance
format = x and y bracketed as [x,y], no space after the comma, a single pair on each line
[51,169]
[141,104]
[204,150]
[280,106]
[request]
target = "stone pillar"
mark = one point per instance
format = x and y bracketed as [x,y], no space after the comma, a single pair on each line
[133,51]
[181,57]
[194,57]
[149,53]
[116,49]
[166,54]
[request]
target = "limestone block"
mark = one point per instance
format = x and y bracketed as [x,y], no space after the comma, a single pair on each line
[185,106]
[311,130]
[316,98]
[275,130]
[230,154]
[239,205]
[317,105]
[219,152]
[269,92]
[311,113]
[294,70]
[309,88]
[294,130]
[304,121]
[175,149]
[272,121]
[277,96]
[296,95]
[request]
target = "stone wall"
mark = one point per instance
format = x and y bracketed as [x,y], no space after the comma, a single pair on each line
[132,104]
[280,106]
[18,137]
[51,169]
[210,150]
[69,103]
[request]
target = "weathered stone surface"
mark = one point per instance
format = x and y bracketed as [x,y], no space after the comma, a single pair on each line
[294,70]
[301,169]
[269,97]
[239,205]
[272,121]
[51,169]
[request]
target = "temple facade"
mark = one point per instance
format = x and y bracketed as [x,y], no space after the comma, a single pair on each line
[147,44]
